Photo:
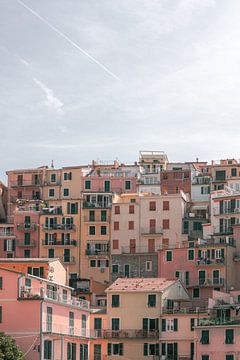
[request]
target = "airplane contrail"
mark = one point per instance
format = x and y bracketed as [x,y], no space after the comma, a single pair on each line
[68,40]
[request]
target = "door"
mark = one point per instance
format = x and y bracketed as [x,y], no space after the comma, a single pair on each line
[126,270]
[151,245]
[132,246]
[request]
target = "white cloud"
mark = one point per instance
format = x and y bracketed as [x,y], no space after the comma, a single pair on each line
[52,102]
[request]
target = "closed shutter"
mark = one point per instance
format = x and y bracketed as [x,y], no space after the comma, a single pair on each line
[68,208]
[13,245]
[74,351]
[163,324]
[109,349]
[41,271]
[29,270]
[175,324]
[145,349]
[5,245]
[121,349]
[163,348]
[157,349]
[145,324]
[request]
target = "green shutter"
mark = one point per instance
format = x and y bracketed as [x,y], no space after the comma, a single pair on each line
[121,349]
[13,245]
[145,349]
[109,349]
[29,270]
[5,245]
[175,324]
[145,324]
[157,349]
[1,282]
[68,208]
[192,323]
[163,348]
[163,324]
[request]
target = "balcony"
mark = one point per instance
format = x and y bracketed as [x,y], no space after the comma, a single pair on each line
[125,334]
[209,262]
[52,211]
[27,227]
[68,259]
[26,183]
[6,233]
[96,219]
[62,329]
[226,211]
[93,205]
[152,230]
[96,252]
[65,227]
[223,230]
[21,243]
[218,322]
[201,181]
[59,243]
[27,293]
[138,250]
[211,282]
[195,234]
[190,310]
[25,198]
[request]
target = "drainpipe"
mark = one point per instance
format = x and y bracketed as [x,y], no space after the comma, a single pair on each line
[62,348]
[41,332]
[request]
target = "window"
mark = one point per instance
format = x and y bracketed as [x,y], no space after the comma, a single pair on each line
[72,208]
[205,357]
[84,325]
[51,253]
[65,192]
[71,323]
[169,324]
[115,268]
[116,225]
[49,319]
[196,293]
[221,175]
[27,253]
[151,300]
[97,323]
[1,282]
[191,254]
[117,209]
[233,172]
[169,255]
[192,323]
[115,349]
[53,178]
[127,185]
[48,349]
[103,230]
[131,209]
[150,349]
[229,357]
[67,176]
[131,225]
[152,206]
[166,224]
[165,205]
[92,230]
[229,336]
[51,192]
[205,337]
[92,263]
[115,301]
[97,352]
[71,351]
[107,186]
[27,239]
[87,184]
[115,324]
[148,265]
[83,351]
[115,244]
[103,215]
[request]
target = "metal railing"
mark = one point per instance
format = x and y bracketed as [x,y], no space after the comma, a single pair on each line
[217,321]
[152,230]
[125,334]
[100,205]
[58,227]
[211,282]
[190,310]
[96,219]
[97,252]
[204,262]
[31,183]
[59,242]
[32,243]
[138,249]
[42,293]
[223,230]
[25,197]
[68,259]
[26,227]
[51,211]
[6,233]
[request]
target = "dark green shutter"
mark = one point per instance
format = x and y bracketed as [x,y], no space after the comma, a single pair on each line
[74,351]
[163,324]
[121,349]
[157,349]
[175,351]
[175,324]
[145,324]
[29,270]
[13,245]
[109,349]
[145,349]
[68,208]
[192,323]
[41,271]
[5,245]
[163,348]
[69,352]
[221,206]
[1,282]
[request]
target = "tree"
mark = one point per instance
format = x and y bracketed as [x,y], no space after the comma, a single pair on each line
[8,349]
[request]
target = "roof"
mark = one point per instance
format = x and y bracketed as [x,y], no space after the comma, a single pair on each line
[28,260]
[141,284]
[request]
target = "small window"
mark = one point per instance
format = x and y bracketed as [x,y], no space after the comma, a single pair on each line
[131,225]
[47,349]
[65,192]
[152,206]
[53,177]
[229,357]
[166,224]
[127,185]
[168,255]
[191,254]
[87,184]
[205,357]
[205,337]
[115,244]
[28,282]
[51,193]
[152,300]
[196,293]
[192,324]
[117,210]
[115,268]
[67,176]
[234,172]
[115,301]
[92,230]
[27,253]
[165,205]
[92,263]
[148,265]
[103,215]
[116,225]
[51,253]
[229,336]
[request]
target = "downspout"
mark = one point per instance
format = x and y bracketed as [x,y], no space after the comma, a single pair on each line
[41,331]
[62,347]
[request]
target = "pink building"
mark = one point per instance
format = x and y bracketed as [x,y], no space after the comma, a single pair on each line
[7,240]
[47,323]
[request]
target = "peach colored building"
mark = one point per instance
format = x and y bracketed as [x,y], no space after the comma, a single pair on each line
[7,240]
[141,224]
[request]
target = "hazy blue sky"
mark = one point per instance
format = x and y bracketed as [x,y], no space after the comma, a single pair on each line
[178,62]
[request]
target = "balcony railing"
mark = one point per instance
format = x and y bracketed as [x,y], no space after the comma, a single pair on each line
[223,230]
[51,211]
[125,334]
[152,230]
[59,243]
[32,243]
[6,233]
[205,262]
[96,219]
[218,321]
[138,249]
[226,211]
[26,227]
[25,197]
[58,227]
[68,259]
[89,205]
[211,282]
[25,183]
[193,310]
[42,293]
[90,252]
[59,328]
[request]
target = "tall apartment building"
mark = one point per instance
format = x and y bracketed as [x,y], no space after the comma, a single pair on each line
[141,225]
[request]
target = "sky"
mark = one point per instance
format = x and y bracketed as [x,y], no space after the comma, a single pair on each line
[90,79]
